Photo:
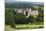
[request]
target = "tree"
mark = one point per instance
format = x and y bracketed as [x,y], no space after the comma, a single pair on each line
[9,17]
[20,18]
[31,19]
[40,17]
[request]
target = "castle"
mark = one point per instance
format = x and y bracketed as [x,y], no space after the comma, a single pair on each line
[27,12]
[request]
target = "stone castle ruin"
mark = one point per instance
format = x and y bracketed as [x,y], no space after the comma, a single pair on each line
[27,12]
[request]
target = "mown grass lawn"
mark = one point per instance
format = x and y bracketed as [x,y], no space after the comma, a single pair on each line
[29,26]
[25,26]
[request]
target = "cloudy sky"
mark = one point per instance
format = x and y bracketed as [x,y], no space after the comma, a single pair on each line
[24,0]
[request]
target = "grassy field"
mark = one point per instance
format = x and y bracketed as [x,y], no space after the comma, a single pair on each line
[25,26]
[22,26]
[8,28]
[30,26]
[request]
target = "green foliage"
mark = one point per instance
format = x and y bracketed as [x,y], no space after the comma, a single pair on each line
[34,8]
[40,17]
[18,5]
[19,15]
[12,18]
[31,19]
[20,18]
[9,17]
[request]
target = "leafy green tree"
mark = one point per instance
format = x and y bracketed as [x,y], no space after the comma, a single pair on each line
[9,17]
[40,17]
[20,18]
[31,19]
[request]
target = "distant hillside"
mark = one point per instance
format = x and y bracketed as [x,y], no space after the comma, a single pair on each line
[22,4]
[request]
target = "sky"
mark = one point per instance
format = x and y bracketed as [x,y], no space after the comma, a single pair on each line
[23,0]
